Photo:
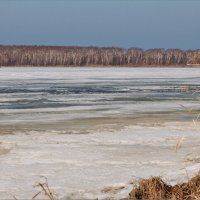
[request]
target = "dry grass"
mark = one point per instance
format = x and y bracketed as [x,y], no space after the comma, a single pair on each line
[156,189]
[45,190]
[179,143]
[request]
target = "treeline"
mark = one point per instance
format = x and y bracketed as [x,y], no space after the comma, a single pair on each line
[94,56]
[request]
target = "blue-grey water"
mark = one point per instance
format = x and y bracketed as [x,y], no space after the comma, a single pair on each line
[88,128]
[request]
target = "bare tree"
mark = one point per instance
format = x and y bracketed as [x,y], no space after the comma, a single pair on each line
[90,56]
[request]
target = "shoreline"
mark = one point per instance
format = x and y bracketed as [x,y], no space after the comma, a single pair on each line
[103,66]
[96,56]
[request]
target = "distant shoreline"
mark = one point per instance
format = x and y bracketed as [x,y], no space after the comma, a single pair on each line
[106,66]
[75,56]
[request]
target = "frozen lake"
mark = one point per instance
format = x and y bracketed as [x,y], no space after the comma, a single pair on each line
[89,128]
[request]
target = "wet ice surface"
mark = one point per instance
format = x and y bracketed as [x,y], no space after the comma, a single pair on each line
[92,131]
[49,94]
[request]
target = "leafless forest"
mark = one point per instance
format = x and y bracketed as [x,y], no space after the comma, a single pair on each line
[94,56]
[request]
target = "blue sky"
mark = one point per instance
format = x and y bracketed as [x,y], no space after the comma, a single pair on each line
[124,23]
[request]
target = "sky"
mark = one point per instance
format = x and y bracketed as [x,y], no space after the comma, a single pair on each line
[124,23]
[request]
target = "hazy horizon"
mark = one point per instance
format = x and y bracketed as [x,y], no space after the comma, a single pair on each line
[112,23]
[94,46]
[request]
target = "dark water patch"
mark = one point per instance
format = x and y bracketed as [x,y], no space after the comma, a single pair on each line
[63,90]
[97,90]
[38,105]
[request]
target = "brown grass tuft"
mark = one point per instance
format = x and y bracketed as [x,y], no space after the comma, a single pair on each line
[156,189]
[45,190]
